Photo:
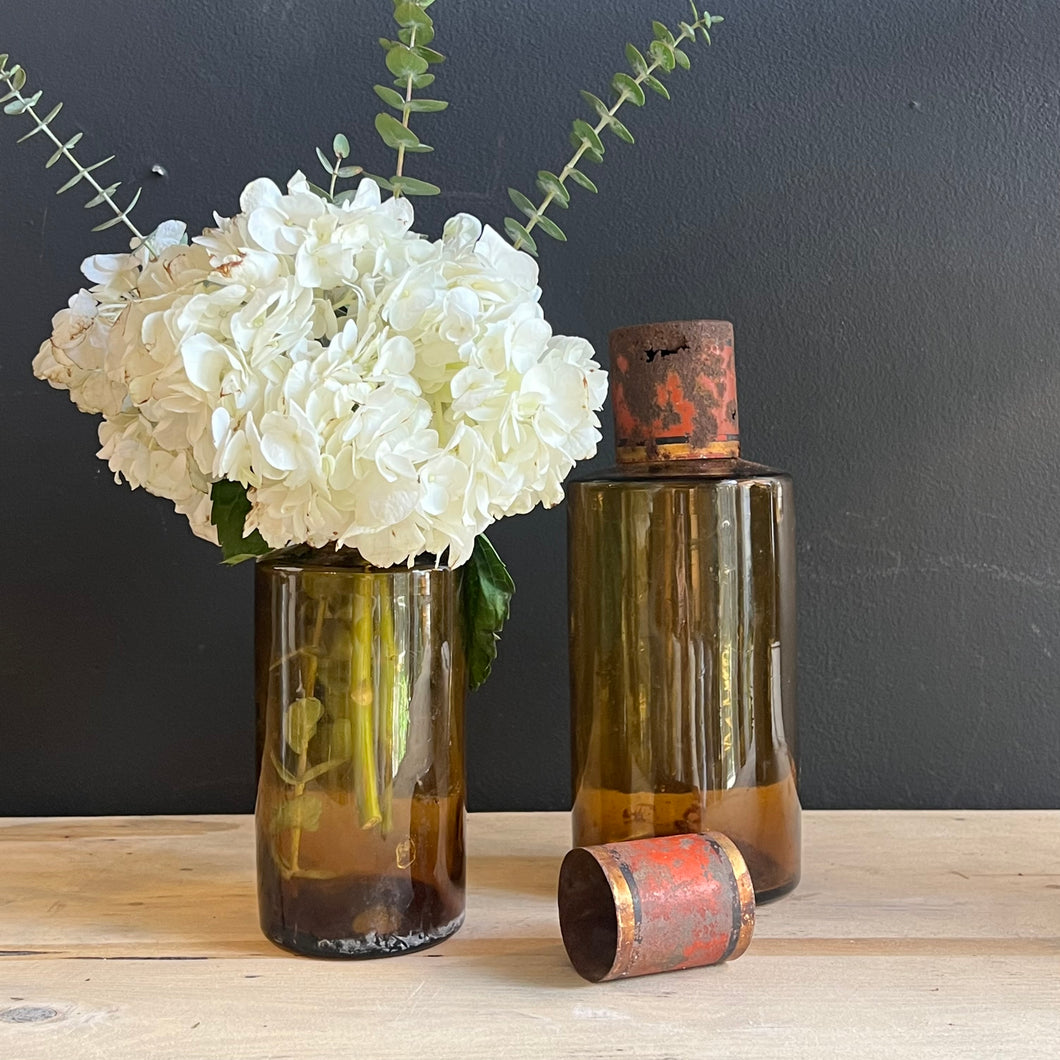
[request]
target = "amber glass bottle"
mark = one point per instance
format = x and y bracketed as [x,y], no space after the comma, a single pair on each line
[682,619]
[360,811]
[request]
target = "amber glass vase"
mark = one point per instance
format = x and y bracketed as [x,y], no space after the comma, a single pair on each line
[682,617]
[360,809]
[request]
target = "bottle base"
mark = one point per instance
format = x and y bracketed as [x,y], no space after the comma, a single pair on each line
[362,947]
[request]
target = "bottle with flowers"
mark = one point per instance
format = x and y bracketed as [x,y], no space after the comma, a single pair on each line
[320,388]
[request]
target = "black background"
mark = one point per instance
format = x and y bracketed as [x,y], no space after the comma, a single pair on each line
[870,192]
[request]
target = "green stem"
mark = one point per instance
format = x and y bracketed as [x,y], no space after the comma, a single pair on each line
[85,174]
[405,113]
[361,706]
[309,681]
[598,128]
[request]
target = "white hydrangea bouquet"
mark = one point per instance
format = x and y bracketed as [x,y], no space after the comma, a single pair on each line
[313,371]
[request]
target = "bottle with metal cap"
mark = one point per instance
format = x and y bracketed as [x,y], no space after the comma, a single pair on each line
[682,615]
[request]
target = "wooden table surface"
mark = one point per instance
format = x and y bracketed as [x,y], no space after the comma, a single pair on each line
[927,935]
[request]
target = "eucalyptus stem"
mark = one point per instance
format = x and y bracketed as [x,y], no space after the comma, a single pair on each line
[309,682]
[406,112]
[16,103]
[665,54]
[362,706]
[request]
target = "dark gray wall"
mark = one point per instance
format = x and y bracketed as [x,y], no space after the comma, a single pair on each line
[871,192]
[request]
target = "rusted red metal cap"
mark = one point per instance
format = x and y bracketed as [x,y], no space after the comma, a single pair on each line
[655,905]
[673,390]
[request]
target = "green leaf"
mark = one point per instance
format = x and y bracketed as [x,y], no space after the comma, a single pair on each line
[80,175]
[687,30]
[620,130]
[637,63]
[517,233]
[550,228]
[422,80]
[410,14]
[583,181]
[695,11]
[550,184]
[63,148]
[601,108]
[16,78]
[583,133]
[402,61]
[412,186]
[386,44]
[326,162]
[429,54]
[346,172]
[42,123]
[426,106]
[682,60]
[423,35]
[303,811]
[663,54]
[394,134]
[486,591]
[103,195]
[300,723]
[390,97]
[522,202]
[662,33]
[229,513]
[120,217]
[624,85]
[383,182]
[341,146]
[20,106]
[318,191]
[656,86]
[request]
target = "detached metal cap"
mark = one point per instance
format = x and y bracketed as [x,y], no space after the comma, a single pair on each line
[673,390]
[655,905]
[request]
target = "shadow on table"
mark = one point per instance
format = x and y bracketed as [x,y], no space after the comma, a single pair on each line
[529,875]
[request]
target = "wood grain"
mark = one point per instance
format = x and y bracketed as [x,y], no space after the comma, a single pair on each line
[922,934]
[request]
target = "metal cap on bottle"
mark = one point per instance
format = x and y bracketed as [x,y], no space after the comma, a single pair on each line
[673,390]
[655,905]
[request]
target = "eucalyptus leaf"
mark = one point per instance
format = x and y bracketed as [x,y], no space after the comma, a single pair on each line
[486,593]
[17,78]
[394,134]
[517,233]
[422,80]
[390,96]
[550,184]
[620,130]
[426,106]
[663,54]
[402,61]
[624,85]
[346,172]
[103,196]
[429,54]
[410,14]
[594,101]
[300,722]
[42,123]
[583,181]
[583,133]
[656,86]
[550,228]
[637,63]
[522,202]
[340,146]
[662,33]
[383,182]
[228,514]
[82,173]
[412,186]
[417,35]
[326,162]
[682,60]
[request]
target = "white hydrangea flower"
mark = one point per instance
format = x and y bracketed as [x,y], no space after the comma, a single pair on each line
[367,386]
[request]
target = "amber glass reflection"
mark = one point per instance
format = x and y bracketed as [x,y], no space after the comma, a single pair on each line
[682,631]
[360,811]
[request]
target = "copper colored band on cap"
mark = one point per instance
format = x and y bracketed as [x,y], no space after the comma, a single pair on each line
[673,390]
[654,905]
